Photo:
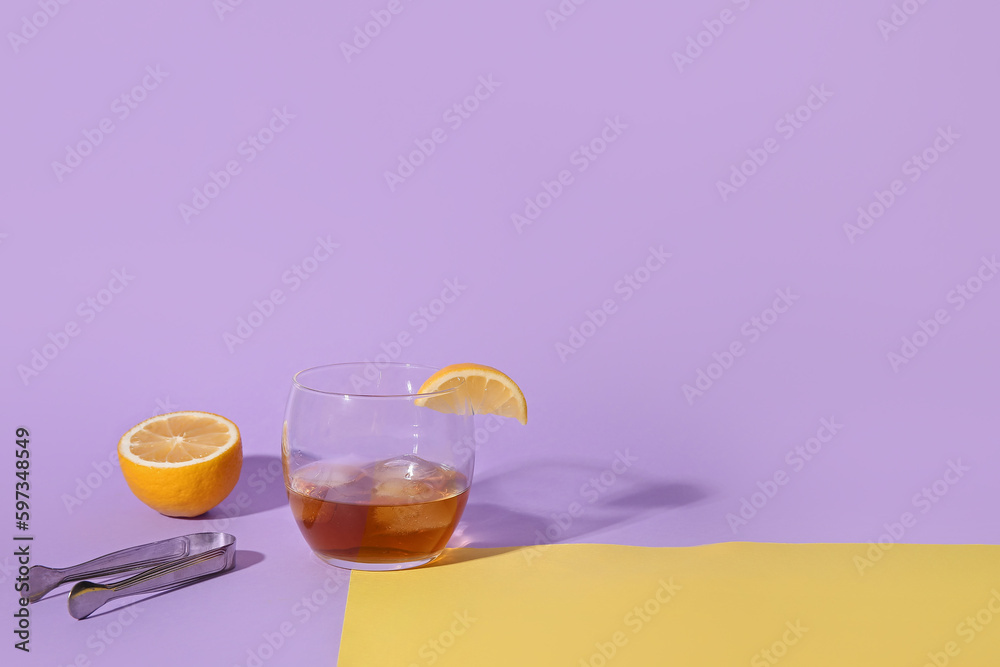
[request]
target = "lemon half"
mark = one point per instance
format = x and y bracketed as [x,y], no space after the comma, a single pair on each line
[182,463]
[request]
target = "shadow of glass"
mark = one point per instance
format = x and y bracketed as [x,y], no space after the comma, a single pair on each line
[488,525]
[559,501]
[660,495]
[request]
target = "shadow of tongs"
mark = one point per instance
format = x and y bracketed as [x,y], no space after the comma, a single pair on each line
[165,564]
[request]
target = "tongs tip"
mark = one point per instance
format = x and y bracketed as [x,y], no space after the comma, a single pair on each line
[86,598]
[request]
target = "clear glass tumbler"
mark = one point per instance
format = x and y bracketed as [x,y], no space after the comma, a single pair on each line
[377,473]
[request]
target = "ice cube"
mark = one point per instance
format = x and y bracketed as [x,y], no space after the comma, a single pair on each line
[408,479]
[311,511]
[402,491]
[405,467]
[410,519]
[326,481]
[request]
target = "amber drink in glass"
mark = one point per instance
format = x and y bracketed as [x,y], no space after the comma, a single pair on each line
[376,480]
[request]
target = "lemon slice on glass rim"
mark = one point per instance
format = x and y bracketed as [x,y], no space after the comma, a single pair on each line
[489,390]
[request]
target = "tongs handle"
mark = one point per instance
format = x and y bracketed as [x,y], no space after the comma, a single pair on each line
[43,579]
[86,597]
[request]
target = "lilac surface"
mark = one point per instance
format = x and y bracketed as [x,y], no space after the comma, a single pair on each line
[553,85]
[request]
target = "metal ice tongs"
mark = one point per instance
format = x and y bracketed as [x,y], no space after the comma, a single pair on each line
[169,563]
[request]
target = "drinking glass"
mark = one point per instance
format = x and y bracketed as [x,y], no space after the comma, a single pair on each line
[377,473]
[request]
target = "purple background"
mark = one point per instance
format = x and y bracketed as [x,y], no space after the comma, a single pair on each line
[161,345]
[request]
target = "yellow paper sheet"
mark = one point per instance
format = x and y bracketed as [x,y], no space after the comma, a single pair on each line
[589,605]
